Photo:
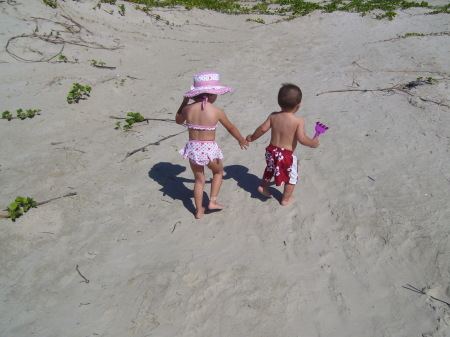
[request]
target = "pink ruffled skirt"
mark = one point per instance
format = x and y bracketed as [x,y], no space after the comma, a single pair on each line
[201,152]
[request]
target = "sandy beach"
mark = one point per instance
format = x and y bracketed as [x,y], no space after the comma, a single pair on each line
[363,251]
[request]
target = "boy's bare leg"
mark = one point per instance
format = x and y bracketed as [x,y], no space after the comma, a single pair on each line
[287,194]
[216,167]
[264,189]
[199,184]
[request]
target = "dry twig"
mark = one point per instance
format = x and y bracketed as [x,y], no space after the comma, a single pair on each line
[147,119]
[129,154]
[85,279]
[412,288]
[400,88]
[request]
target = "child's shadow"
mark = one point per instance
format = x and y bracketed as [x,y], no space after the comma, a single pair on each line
[249,182]
[166,174]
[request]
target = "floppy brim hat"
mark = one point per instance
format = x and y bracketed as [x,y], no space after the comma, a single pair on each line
[207,82]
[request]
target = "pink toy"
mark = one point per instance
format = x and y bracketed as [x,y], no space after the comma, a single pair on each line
[320,128]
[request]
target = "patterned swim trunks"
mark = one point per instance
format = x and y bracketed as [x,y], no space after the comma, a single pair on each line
[281,164]
[201,152]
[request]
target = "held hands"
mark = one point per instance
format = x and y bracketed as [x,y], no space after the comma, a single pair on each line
[243,144]
[249,138]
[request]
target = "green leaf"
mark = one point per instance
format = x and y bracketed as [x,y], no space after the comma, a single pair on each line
[6,115]
[13,206]
[31,202]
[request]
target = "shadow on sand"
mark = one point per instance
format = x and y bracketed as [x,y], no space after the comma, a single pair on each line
[166,174]
[249,182]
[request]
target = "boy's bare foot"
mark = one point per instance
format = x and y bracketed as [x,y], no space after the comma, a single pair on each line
[214,205]
[288,201]
[200,213]
[264,192]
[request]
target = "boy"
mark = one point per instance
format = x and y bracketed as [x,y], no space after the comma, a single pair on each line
[287,129]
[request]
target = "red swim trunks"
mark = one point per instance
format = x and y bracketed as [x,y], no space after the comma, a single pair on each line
[281,164]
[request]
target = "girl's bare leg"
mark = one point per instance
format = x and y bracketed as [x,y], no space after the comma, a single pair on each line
[264,189]
[216,167]
[287,194]
[199,184]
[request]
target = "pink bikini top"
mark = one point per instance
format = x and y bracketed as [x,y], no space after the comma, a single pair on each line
[201,127]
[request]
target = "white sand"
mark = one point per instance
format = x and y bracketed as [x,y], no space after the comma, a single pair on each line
[371,211]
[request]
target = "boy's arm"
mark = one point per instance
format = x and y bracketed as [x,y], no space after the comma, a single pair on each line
[232,130]
[180,117]
[303,138]
[262,129]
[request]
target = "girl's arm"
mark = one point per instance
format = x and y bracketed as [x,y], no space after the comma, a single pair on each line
[262,129]
[232,130]
[180,117]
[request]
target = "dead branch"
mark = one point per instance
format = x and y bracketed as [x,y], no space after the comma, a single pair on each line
[47,201]
[363,90]
[56,39]
[416,290]
[84,278]
[356,64]
[103,67]
[397,88]
[415,35]
[129,154]
[147,119]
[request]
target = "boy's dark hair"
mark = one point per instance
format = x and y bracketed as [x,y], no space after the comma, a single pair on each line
[289,96]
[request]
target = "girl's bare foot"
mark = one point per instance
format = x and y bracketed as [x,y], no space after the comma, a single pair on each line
[288,201]
[214,205]
[200,213]
[264,191]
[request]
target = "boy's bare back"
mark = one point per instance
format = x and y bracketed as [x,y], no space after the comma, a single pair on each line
[286,130]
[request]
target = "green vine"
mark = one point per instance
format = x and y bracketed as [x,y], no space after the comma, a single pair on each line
[30,113]
[51,3]
[291,9]
[78,92]
[134,117]
[20,206]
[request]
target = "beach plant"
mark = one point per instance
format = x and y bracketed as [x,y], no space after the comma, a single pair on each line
[7,115]
[51,3]
[62,58]
[100,64]
[117,125]
[20,114]
[122,10]
[20,206]
[96,63]
[78,92]
[30,113]
[112,2]
[421,34]
[290,9]
[421,81]
[133,117]
[257,20]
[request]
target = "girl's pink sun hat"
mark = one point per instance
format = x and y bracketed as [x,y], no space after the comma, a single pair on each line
[207,82]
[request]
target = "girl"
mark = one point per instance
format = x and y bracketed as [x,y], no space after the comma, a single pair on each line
[201,118]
